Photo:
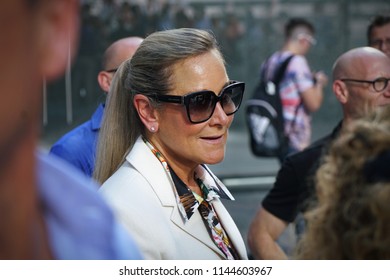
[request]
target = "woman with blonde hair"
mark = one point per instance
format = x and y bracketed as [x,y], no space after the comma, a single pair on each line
[352,217]
[168,114]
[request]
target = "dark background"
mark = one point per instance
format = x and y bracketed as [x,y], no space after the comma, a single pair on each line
[248,31]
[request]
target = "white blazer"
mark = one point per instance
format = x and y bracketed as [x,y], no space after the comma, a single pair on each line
[143,198]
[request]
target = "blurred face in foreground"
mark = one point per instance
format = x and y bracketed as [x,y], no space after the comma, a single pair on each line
[36,36]
[19,73]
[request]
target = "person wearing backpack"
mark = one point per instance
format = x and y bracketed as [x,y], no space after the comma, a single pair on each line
[300,91]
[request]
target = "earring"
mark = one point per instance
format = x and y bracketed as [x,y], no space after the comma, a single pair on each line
[152,129]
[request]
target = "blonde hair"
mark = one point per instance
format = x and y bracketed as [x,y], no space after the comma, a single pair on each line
[148,71]
[352,217]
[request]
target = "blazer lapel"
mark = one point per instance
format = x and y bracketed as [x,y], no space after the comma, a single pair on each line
[147,164]
[195,227]
[143,160]
[226,220]
[230,228]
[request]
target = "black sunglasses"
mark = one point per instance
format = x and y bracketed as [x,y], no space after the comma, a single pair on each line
[200,105]
[378,84]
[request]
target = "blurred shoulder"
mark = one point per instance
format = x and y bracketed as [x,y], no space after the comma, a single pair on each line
[80,223]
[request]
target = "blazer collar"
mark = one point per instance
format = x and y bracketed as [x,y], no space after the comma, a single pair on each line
[143,160]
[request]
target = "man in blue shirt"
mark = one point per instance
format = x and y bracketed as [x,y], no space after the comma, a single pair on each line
[48,209]
[78,145]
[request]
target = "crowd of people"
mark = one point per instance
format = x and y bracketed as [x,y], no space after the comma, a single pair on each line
[360,79]
[170,104]
[294,185]
[107,21]
[104,22]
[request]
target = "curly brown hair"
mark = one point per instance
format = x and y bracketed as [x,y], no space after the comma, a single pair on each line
[352,217]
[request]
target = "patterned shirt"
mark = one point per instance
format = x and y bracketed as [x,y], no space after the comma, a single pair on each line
[188,201]
[297,79]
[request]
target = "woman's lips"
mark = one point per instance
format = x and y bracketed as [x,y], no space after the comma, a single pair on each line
[213,139]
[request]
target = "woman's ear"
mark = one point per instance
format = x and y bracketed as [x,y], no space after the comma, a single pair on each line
[147,113]
[341,91]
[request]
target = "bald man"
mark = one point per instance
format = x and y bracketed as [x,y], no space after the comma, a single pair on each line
[360,81]
[78,145]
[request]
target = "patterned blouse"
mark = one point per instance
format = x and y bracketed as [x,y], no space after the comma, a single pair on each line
[188,202]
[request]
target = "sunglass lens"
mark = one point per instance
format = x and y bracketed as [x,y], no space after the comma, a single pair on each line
[201,106]
[231,98]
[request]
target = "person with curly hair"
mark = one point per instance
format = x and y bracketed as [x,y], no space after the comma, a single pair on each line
[352,217]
